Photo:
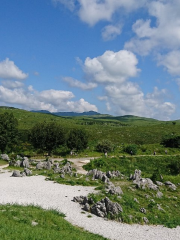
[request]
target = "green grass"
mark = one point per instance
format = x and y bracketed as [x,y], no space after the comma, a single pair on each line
[2,162]
[16,223]
[170,201]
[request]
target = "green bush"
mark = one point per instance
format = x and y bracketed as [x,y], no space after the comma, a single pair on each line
[172,141]
[131,149]
[105,146]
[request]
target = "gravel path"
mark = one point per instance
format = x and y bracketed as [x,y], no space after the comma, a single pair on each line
[35,190]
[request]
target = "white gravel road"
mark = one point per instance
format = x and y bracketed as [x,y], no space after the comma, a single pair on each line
[35,190]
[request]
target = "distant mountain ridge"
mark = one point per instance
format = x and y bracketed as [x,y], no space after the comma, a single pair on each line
[68,114]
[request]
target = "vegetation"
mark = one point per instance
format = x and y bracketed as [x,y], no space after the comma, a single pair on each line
[78,139]
[8,131]
[105,146]
[131,149]
[172,141]
[47,136]
[130,142]
[152,167]
[29,223]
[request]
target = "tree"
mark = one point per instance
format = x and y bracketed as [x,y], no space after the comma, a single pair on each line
[78,139]
[8,131]
[131,149]
[47,136]
[172,141]
[105,146]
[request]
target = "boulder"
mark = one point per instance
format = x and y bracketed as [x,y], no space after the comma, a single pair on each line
[5,157]
[27,172]
[48,165]
[159,183]
[39,166]
[114,190]
[16,173]
[159,194]
[143,210]
[25,162]
[170,185]
[87,207]
[145,220]
[18,163]
[136,175]
[112,208]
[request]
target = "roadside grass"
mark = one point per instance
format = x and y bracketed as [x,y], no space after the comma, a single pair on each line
[33,223]
[2,162]
[68,179]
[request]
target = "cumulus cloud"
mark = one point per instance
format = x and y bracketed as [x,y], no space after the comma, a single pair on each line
[12,84]
[110,32]
[128,99]
[75,83]
[164,34]
[51,100]
[93,11]
[8,70]
[81,106]
[111,67]
[171,61]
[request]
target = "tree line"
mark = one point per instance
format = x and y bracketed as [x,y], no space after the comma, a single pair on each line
[46,136]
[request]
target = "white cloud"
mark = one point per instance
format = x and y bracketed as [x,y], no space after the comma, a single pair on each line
[70,4]
[12,84]
[93,11]
[51,100]
[128,99]
[164,34]
[111,67]
[81,106]
[8,70]
[171,61]
[110,32]
[75,83]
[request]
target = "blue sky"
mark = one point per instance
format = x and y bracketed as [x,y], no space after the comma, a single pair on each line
[118,57]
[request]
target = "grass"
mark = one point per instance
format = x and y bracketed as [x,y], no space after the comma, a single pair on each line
[147,199]
[2,162]
[16,222]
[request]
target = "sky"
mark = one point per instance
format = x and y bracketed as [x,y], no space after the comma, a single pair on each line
[118,57]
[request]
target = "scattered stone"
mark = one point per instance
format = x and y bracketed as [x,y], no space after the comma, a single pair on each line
[160,208]
[25,162]
[33,223]
[5,157]
[170,185]
[27,172]
[87,207]
[159,194]
[143,210]
[142,182]
[159,183]
[40,166]
[145,220]
[135,199]
[16,173]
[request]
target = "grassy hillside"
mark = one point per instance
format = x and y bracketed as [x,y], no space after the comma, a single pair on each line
[129,130]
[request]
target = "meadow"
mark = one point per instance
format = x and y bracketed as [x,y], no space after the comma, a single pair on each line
[146,134]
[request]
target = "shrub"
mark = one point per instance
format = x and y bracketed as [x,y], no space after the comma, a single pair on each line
[105,146]
[172,141]
[131,149]
[78,139]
